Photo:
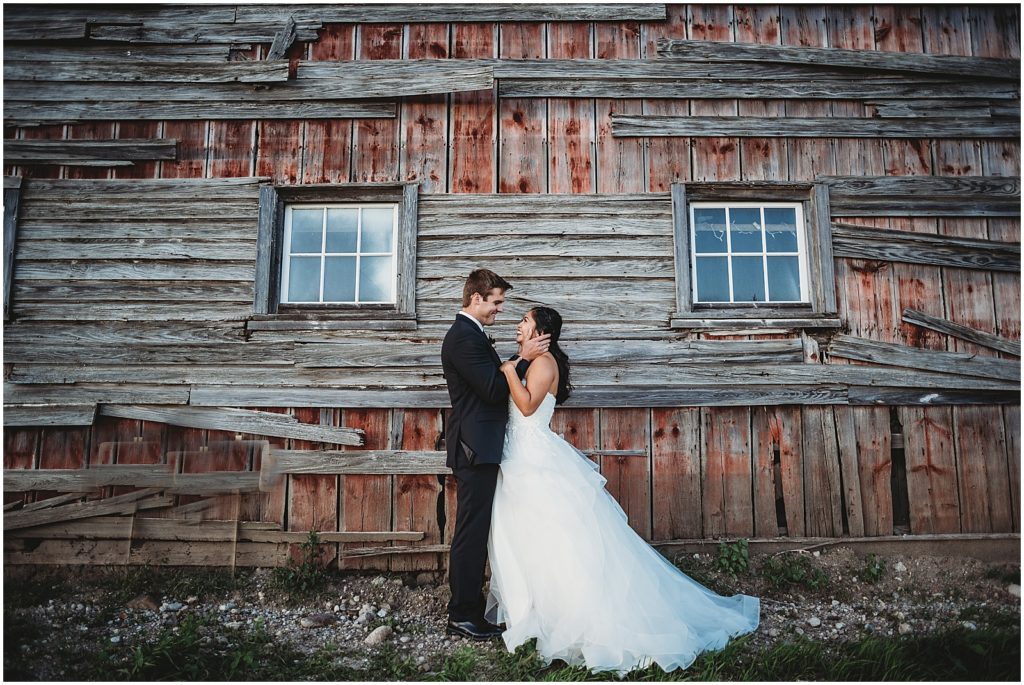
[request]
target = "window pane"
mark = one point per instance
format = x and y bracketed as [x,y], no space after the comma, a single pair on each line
[784,279]
[712,279]
[376,283]
[747,279]
[709,229]
[304,279]
[378,225]
[307,230]
[342,225]
[339,279]
[780,225]
[745,226]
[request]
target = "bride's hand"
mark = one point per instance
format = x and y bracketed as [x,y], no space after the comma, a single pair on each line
[505,366]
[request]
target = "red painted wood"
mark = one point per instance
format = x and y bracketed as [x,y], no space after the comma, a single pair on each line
[48,132]
[989,37]
[675,473]
[898,28]
[222,452]
[416,497]
[522,166]
[668,158]
[822,486]
[931,469]
[761,159]
[578,427]
[982,470]
[726,472]
[714,159]
[424,153]
[327,154]
[367,501]
[278,151]
[267,506]
[571,125]
[89,131]
[20,452]
[138,129]
[629,478]
[375,141]
[231,148]
[312,500]
[1012,423]
[946,29]
[192,152]
[620,161]
[805,25]
[472,167]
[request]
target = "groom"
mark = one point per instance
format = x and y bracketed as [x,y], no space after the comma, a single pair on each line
[474,435]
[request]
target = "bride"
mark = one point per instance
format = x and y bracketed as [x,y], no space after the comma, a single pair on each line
[566,568]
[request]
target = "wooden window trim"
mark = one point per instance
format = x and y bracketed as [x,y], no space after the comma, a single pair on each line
[12,198]
[822,309]
[269,313]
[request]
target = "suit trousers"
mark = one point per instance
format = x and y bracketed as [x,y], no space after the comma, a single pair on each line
[469,542]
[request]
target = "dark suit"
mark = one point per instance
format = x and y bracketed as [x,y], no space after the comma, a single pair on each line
[474,435]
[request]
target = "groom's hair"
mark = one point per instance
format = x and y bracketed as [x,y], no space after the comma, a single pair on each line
[482,281]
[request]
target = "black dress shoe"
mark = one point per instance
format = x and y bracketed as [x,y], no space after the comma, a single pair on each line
[473,630]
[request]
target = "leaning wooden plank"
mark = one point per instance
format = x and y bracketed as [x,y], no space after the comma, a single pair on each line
[49,415]
[862,349]
[147,72]
[810,127]
[52,502]
[283,39]
[12,201]
[137,475]
[239,421]
[359,552]
[31,114]
[710,51]
[860,242]
[403,13]
[91,152]
[957,330]
[924,195]
[121,504]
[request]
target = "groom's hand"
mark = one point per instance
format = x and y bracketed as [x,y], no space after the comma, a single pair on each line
[535,347]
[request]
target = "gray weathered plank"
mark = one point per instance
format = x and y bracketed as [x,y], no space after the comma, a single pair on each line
[28,113]
[182,190]
[924,195]
[95,152]
[147,271]
[159,477]
[96,52]
[121,504]
[49,415]
[811,127]
[860,242]
[95,394]
[711,51]
[122,70]
[172,31]
[239,421]
[283,39]
[12,202]
[862,349]
[935,108]
[140,249]
[136,311]
[118,334]
[898,397]
[403,13]
[957,330]
[142,291]
[45,29]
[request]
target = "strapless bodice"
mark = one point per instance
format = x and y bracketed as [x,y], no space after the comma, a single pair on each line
[539,419]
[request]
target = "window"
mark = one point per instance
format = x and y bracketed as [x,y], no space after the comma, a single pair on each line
[752,254]
[336,256]
[339,254]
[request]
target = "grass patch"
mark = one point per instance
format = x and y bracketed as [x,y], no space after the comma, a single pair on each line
[733,557]
[459,666]
[306,579]
[873,570]
[1004,574]
[793,570]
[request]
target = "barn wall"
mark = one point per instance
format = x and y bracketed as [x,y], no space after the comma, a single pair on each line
[136,298]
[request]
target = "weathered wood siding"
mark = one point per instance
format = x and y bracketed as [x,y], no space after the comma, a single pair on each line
[133,284]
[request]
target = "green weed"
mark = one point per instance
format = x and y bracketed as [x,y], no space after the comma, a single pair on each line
[793,570]
[458,667]
[874,569]
[306,578]
[733,557]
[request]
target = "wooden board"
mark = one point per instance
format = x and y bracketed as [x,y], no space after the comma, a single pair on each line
[931,469]
[90,131]
[822,486]
[619,163]
[375,141]
[571,126]
[366,502]
[416,498]
[982,470]
[138,130]
[20,452]
[192,150]
[668,159]
[726,472]
[231,148]
[312,500]
[762,158]
[1012,423]
[278,150]
[326,156]
[775,497]
[522,122]
[675,474]
[865,456]
[471,160]
[629,478]
[806,25]
[424,152]
[714,159]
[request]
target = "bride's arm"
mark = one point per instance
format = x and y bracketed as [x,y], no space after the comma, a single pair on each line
[539,377]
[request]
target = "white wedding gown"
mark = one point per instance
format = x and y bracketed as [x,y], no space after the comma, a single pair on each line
[567,569]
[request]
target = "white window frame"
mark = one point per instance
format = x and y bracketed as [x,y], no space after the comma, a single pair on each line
[801,252]
[323,254]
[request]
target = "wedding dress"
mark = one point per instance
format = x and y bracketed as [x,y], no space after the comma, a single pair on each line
[567,569]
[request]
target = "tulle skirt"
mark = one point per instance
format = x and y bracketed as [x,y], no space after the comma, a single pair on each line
[567,569]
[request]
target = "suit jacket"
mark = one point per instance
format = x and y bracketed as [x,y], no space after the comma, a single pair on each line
[478,390]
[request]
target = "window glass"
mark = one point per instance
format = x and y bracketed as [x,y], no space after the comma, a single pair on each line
[342,230]
[307,230]
[784,278]
[712,279]
[376,280]
[780,229]
[745,229]
[748,279]
[304,279]
[377,229]
[709,226]
[339,279]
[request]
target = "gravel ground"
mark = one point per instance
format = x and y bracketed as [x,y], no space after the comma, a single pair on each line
[360,613]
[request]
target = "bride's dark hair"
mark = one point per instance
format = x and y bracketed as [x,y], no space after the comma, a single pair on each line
[547,320]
